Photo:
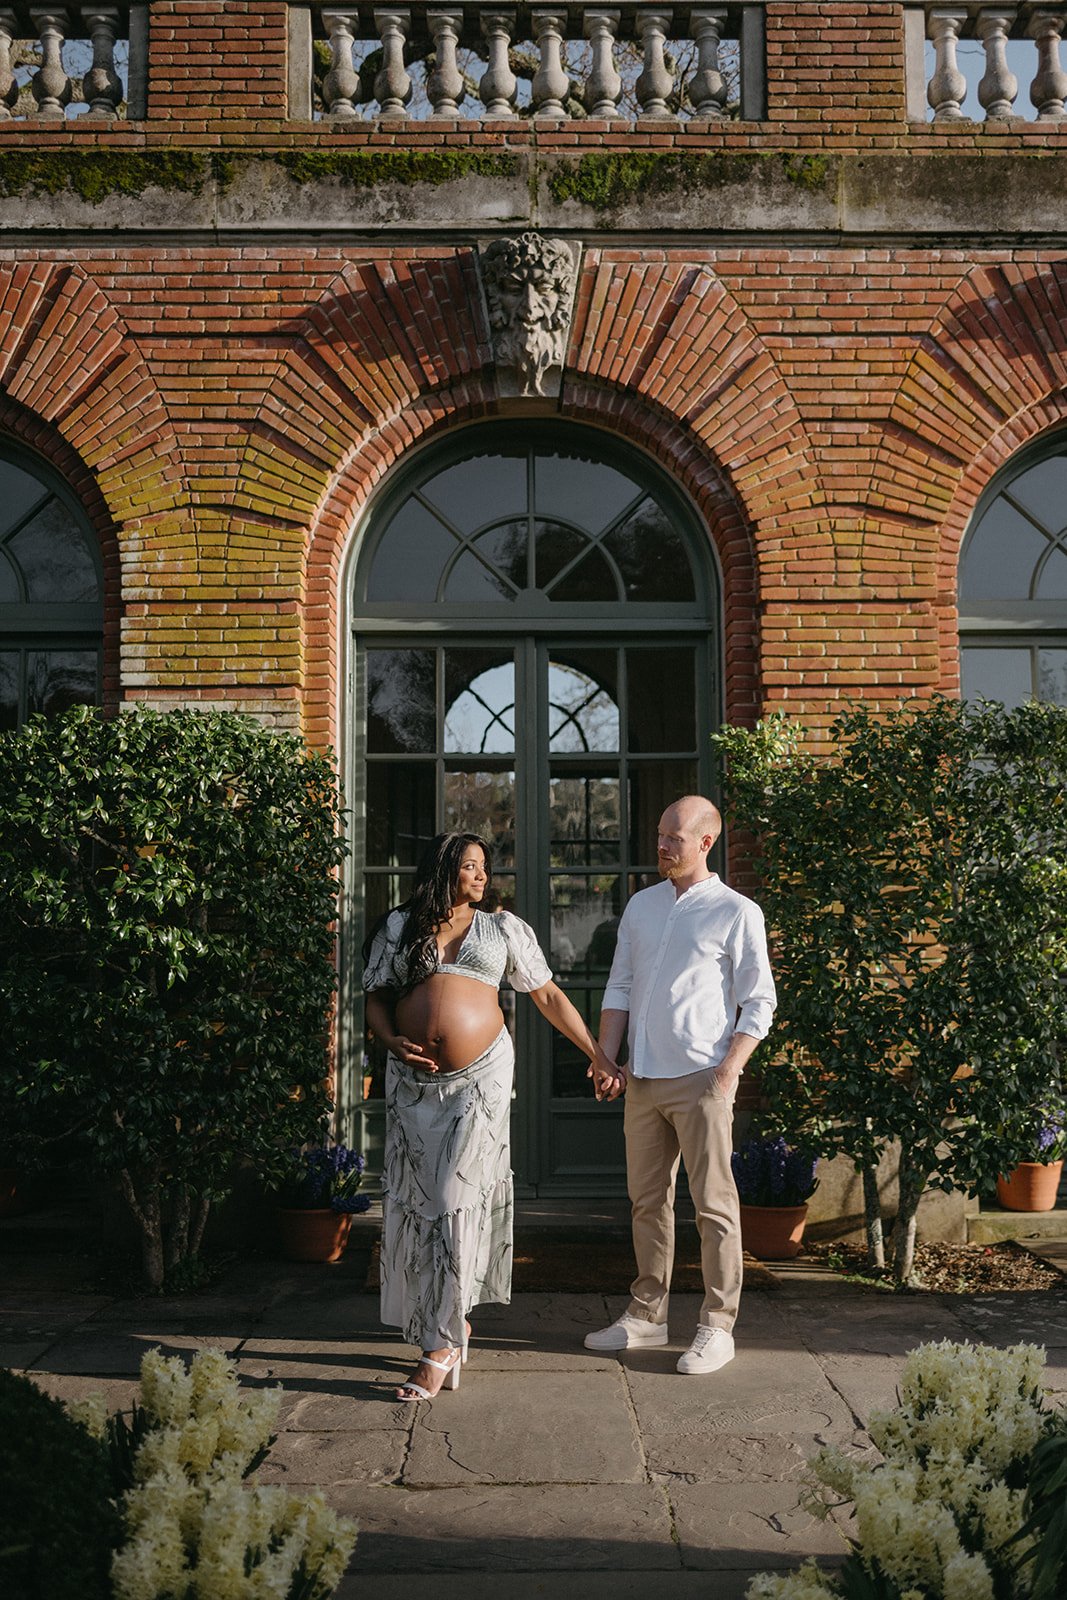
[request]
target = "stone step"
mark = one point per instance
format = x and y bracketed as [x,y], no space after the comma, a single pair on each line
[992,1225]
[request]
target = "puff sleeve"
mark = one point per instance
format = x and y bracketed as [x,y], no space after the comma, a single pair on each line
[526,965]
[379,972]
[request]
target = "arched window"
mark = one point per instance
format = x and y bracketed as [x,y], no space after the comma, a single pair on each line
[535,653]
[51,612]
[1013,584]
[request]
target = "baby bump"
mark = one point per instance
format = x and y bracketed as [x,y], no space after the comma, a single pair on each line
[456,1019]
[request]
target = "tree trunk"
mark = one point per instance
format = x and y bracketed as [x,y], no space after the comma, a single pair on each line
[177,1241]
[200,1211]
[148,1215]
[912,1184]
[872,1216]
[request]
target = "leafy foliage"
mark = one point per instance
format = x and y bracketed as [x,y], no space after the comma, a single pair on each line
[167,893]
[326,1176]
[58,1524]
[916,886]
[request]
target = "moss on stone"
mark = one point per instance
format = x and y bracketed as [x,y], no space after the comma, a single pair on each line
[95,175]
[362,169]
[605,181]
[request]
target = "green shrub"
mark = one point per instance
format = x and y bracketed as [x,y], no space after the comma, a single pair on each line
[167,896]
[58,1524]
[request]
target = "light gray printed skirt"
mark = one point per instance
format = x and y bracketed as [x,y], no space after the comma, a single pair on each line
[447,1194]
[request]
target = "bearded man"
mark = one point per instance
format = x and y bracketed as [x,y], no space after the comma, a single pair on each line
[691,981]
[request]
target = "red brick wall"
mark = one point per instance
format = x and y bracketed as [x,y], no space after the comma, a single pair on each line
[226,409]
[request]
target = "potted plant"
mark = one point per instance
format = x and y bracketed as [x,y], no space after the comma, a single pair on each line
[1031,1185]
[317,1203]
[774,1183]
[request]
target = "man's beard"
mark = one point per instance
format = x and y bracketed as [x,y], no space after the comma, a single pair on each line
[668,869]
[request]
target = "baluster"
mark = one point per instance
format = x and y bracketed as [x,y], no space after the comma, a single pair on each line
[341,85]
[1049,89]
[392,86]
[603,86]
[551,85]
[655,82]
[498,84]
[707,86]
[9,88]
[50,85]
[948,86]
[102,86]
[998,88]
[445,86]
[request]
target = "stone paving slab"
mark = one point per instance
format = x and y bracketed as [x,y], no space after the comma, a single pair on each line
[543,1332]
[714,1522]
[563,1427]
[611,1528]
[367,1455]
[117,1354]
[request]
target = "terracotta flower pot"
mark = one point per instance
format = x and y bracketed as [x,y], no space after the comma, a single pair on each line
[1031,1186]
[773,1233]
[312,1235]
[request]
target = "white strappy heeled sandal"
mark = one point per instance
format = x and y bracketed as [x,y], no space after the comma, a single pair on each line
[451,1370]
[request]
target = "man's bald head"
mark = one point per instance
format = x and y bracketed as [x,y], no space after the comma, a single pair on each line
[687,830]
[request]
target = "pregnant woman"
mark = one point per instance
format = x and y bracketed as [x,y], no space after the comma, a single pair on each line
[433,969]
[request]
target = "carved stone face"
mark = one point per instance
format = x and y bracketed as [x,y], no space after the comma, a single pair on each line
[529,285]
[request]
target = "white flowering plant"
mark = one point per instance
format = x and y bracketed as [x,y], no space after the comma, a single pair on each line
[945,1514]
[193,1528]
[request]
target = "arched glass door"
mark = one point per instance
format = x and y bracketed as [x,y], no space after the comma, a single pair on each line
[533,660]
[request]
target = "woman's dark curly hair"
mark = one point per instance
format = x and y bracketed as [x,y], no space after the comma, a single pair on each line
[430,904]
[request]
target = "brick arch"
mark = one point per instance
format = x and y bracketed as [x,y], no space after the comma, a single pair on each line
[995,352]
[431,415]
[43,439]
[67,356]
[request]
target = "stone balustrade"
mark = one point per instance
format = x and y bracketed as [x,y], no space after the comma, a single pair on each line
[70,60]
[1007,42]
[543,62]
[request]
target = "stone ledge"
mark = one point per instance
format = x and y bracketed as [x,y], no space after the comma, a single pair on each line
[739,194]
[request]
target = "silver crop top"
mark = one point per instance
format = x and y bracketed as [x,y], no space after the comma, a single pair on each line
[497,945]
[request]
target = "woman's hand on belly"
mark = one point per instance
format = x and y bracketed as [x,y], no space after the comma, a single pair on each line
[453,1019]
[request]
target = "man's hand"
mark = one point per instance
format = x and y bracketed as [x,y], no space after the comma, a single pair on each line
[609,1080]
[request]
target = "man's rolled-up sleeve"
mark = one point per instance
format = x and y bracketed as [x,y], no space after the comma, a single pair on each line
[620,978]
[753,981]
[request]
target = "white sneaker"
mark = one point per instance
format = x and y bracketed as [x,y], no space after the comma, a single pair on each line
[626,1333]
[711,1349]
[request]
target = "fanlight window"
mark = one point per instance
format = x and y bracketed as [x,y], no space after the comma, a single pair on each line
[50,599]
[537,526]
[1013,588]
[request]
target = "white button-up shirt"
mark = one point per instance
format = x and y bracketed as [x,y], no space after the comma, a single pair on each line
[692,970]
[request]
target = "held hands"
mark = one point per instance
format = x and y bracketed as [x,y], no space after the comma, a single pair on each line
[609,1080]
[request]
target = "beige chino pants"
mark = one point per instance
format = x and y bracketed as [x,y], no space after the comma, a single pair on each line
[689,1118]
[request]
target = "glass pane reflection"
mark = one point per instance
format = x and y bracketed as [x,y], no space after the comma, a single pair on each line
[409,559]
[400,700]
[400,811]
[582,713]
[990,674]
[479,702]
[661,697]
[483,803]
[59,679]
[584,821]
[585,916]
[54,557]
[650,555]
[9,690]
[1052,676]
